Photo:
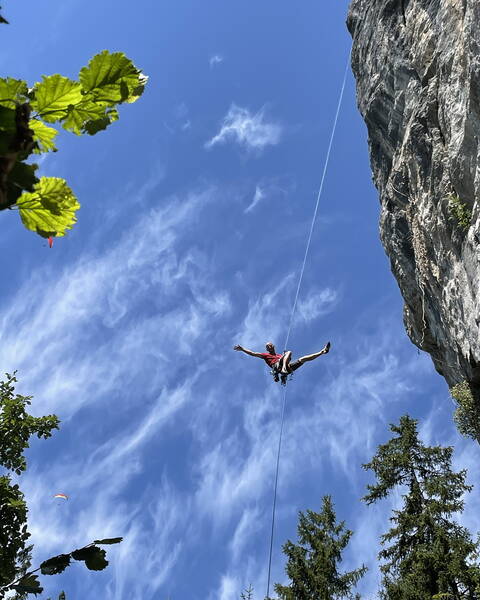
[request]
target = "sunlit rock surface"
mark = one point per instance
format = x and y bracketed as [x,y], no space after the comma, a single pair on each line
[417,67]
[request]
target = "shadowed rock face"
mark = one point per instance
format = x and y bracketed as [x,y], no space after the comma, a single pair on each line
[417,67]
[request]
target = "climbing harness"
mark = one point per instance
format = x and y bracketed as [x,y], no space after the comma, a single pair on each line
[278,376]
[307,248]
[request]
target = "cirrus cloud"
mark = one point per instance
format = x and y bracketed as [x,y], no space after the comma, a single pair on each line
[249,130]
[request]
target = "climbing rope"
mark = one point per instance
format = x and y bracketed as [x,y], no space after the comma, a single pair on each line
[307,248]
[275,489]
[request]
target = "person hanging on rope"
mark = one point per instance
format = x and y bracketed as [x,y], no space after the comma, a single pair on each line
[282,364]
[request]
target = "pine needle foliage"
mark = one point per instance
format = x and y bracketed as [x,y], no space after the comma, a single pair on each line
[313,563]
[247,594]
[426,554]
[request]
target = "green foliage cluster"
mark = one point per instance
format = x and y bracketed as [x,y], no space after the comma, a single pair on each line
[16,427]
[93,557]
[87,105]
[459,211]
[467,413]
[426,553]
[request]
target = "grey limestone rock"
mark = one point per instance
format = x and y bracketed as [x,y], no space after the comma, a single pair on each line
[417,68]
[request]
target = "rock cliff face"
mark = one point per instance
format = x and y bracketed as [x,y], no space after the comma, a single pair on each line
[417,66]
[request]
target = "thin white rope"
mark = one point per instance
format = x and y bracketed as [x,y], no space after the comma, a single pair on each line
[319,195]
[314,218]
[275,489]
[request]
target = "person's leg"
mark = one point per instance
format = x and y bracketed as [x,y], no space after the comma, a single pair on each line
[294,365]
[285,361]
[309,357]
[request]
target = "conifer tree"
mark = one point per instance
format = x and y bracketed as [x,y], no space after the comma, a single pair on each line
[312,564]
[426,553]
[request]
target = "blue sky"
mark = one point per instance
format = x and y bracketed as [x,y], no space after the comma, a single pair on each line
[196,207]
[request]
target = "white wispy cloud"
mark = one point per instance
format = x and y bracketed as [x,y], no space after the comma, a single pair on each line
[251,131]
[126,320]
[181,111]
[266,315]
[156,547]
[59,325]
[216,59]
[257,197]
[358,394]
[228,588]
[272,188]
[245,531]
[317,303]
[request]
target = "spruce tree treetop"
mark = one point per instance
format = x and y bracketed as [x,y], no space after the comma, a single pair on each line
[312,564]
[426,553]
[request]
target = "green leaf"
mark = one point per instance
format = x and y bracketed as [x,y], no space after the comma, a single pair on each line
[55,565]
[8,129]
[7,119]
[84,112]
[44,136]
[21,178]
[50,209]
[16,503]
[23,175]
[138,90]
[28,585]
[93,556]
[112,78]
[12,92]
[93,127]
[116,540]
[53,97]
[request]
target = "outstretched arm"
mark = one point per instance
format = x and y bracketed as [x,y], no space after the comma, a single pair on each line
[249,352]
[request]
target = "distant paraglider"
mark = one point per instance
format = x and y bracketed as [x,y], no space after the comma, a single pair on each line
[61,496]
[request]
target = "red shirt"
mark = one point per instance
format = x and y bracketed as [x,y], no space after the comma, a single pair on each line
[270,359]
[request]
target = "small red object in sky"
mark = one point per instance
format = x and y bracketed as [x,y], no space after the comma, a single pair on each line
[50,241]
